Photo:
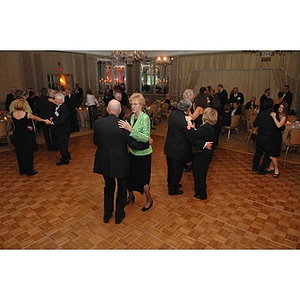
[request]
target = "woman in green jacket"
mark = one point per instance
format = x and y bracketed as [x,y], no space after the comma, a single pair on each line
[140,160]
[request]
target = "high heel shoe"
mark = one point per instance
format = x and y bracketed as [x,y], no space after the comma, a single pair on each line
[147,208]
[130,200]
[276,175]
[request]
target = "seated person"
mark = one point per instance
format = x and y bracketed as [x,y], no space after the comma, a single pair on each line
[226,115]
[236,109]
[251,104]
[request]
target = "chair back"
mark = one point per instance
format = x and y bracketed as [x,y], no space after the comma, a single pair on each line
[292,119]
[3,129]
[247,114]
[235,121]
[295,136]
[165,108]
[154,110]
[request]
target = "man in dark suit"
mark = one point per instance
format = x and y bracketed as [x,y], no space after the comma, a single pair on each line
[178,146]
[265,125]
[112,160]
[73,103]
[236,96]
[45,109]
[222,95]
[287,95]
[61,123]
[236,109]
[78,92]
[251,104]
[263,98]
[10,98]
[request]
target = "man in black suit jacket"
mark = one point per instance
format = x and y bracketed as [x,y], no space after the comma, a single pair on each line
[45,109]
[266,126]
[61,122]
[263,98]
[251,104]
[178,146]
[10,98]
[112,160]
[236,109]
[222,95]
[78,92]
[236,96]
[73,103]
[287,95]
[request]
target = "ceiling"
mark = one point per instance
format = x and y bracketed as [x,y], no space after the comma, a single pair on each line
[107,53]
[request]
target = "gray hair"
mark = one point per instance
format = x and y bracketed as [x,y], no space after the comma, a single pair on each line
[184,105]
[188,93]
[60,96]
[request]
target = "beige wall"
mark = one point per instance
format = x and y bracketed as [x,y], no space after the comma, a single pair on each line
[24,69]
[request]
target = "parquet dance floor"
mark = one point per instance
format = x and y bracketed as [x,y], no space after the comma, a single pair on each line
[62,206]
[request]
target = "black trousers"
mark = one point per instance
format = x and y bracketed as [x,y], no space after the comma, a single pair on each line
[49,136]
[263,147]
[74,121]
[175,169]
[93,114]
[63,146]
[200,164]
[109,190]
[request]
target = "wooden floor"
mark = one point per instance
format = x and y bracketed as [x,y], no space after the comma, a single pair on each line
[62,206]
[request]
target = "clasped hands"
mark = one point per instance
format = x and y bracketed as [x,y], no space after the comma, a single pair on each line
[125,125]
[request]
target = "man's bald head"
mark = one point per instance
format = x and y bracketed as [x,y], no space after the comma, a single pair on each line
[114,107]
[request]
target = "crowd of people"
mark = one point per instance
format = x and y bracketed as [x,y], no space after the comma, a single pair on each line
[192,136]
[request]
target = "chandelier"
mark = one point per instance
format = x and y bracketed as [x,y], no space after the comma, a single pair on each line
[165,60]
[129,57]
[266,55]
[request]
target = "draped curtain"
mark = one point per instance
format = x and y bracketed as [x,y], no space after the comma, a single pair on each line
[247,72]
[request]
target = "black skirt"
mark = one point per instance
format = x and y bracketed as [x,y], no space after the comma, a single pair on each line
[140,172]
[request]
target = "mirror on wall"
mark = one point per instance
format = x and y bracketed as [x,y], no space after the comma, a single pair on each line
[110,73]
[155,75]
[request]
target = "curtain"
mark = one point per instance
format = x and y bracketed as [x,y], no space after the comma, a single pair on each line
[247,72]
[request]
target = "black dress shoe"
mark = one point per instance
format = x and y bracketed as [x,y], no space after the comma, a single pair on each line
[106,218]
[119,218]
[187,169]
[130,200]
[200,197]
[147,208]
[33,172]
[62,163]
[262,172]
[176,192]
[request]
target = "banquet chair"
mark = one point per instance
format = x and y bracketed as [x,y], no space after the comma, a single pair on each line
[292,141]
[292,119]
[156,115]
[253,130]
[233,126]
[4,133]
[165,111]
[247,114]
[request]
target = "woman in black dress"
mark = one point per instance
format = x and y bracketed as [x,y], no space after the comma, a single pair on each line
[280,119]
[22,137]
[201,158]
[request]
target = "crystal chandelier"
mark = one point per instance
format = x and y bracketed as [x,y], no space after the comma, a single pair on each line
[267,55]
[129,56]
